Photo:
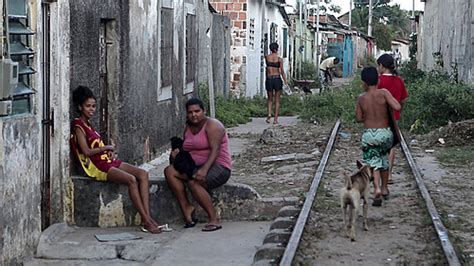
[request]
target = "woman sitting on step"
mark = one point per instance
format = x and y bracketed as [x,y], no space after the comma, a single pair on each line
[98,160]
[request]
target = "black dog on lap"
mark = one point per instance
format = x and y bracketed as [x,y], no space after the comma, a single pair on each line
[183,162]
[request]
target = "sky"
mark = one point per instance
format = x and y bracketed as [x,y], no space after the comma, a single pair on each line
[344,4]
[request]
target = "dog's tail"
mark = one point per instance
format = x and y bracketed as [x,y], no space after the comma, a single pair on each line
[348,181]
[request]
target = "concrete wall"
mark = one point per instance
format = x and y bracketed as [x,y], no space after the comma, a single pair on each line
[220,54]
[20,168]
[447,28]
[254,66]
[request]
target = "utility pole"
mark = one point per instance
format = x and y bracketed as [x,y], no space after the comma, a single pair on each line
[369,31]
[350,14]
[413,23]
[317,38]
[300,39]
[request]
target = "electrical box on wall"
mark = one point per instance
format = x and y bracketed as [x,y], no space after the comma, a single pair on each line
[8,78]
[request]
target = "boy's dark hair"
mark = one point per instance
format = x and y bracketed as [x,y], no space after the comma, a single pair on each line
[81,94]
[274,47]
[370,76]
[336,60]
[194,101]
[388,62]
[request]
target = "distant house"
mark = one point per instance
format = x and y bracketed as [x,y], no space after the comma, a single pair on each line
[250,37]
[403,46]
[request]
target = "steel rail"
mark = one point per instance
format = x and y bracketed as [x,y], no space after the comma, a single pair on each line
[295,237]
[448,249]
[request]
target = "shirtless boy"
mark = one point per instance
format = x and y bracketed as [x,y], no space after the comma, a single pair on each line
[377,138]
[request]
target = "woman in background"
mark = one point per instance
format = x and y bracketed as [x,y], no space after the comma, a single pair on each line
[273,83]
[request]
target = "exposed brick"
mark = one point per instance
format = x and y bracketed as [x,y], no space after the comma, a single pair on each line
[237,7]
[242,15]
[233,15]
[238,24]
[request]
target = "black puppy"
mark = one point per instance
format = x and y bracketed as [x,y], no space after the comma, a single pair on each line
[183,162]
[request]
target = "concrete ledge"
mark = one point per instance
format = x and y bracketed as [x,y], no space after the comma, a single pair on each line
[107,204]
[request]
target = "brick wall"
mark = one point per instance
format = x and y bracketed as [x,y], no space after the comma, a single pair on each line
[236,11]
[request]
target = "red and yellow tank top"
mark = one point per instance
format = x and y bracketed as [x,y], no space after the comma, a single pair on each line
[97,165]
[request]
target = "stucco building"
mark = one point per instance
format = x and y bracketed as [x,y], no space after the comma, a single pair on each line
[139,57]
[253,27]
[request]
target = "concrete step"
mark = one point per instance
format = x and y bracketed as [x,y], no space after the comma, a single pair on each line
[235,244]
[106,204]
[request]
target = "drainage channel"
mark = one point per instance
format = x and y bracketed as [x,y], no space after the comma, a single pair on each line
[288,228]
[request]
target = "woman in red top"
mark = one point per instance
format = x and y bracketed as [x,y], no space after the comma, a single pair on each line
[394,84]
[99,163]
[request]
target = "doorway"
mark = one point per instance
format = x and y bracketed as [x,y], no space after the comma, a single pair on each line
[108,82]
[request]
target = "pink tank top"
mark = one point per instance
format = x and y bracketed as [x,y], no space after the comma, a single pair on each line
[198,146]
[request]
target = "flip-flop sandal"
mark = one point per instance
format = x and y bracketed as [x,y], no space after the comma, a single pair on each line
[377,202]
[268,119]
[211,227]
[390,182]
[192,223]
[151,230]
[165,228]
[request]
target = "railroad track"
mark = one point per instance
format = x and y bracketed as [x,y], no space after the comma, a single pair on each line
[292,243]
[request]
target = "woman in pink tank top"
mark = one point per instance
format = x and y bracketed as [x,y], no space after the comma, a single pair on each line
[206,140]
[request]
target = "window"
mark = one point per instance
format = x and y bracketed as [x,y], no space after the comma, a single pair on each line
[285,42]
[191,53]
[166,54]
[252,34]
[17,70]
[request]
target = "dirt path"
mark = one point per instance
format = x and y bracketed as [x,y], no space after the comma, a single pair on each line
[400,231]
[451,187]
[285,178]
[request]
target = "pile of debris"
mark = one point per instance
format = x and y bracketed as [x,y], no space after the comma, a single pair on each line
[453,134]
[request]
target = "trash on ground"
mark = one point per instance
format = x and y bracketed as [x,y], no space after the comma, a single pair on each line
[344,135]
[441,140]
[429,151]
[286,157]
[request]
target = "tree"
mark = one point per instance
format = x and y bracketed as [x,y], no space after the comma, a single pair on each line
[388,22]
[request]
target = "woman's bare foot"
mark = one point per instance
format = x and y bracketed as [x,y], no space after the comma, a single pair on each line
[268,119]
[188,214]
[275,122]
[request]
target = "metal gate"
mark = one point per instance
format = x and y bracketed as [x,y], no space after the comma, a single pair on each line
[47,122]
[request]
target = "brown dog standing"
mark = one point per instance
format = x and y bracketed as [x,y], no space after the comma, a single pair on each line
[356,187]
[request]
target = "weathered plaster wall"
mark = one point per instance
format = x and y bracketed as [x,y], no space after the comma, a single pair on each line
[60,102]
[20,168]
[146,124]
[254,51]
[447,28]
[221,54]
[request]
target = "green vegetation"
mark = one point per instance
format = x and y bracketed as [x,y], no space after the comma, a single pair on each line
[329,106]
[456,156]
[434,100]
[234,111]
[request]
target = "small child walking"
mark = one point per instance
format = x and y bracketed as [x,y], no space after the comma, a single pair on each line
[372,110]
